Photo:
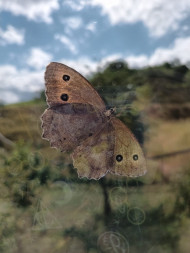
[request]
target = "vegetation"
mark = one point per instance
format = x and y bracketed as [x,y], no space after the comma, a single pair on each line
[44,207]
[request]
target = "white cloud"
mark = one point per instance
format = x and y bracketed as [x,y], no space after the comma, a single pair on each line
[23,84]
[86,66]
[38,58]
[9,97]
[138,61]
[185,28]
[159,16]
[11,36]
[83,65]
[19,85]
[71,23]
[67,42]
[76,5]
[38,10]
[91,26]
[21,79]
[108,59]
[179,50]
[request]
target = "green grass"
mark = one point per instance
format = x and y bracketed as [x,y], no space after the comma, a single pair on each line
[68,214]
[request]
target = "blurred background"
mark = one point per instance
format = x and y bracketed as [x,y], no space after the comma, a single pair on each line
[137,56]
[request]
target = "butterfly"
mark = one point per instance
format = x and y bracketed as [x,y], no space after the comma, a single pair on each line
[76,120]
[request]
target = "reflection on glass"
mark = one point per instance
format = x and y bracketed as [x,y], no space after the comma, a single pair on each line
[42,197]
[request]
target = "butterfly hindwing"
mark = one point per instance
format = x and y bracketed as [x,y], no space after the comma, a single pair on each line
[113,149]
[129,159]
[94,157]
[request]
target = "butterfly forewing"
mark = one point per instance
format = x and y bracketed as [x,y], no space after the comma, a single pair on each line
[65,85]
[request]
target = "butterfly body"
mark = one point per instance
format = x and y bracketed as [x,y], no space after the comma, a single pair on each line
[77,121]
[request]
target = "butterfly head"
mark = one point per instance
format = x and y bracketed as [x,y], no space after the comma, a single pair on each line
[110,112]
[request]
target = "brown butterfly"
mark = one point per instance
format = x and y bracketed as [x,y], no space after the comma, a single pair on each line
[77,120]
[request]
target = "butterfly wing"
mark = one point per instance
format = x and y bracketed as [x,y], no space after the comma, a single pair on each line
[65,85]
[129,159]
[93,159]
[67,126]
[113,149]
[75,120]
[75,108]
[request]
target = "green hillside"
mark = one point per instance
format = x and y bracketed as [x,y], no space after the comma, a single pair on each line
[45,207]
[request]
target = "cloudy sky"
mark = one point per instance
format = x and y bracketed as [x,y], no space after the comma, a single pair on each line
[85,34]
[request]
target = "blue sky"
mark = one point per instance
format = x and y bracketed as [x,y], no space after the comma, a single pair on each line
[85,34]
